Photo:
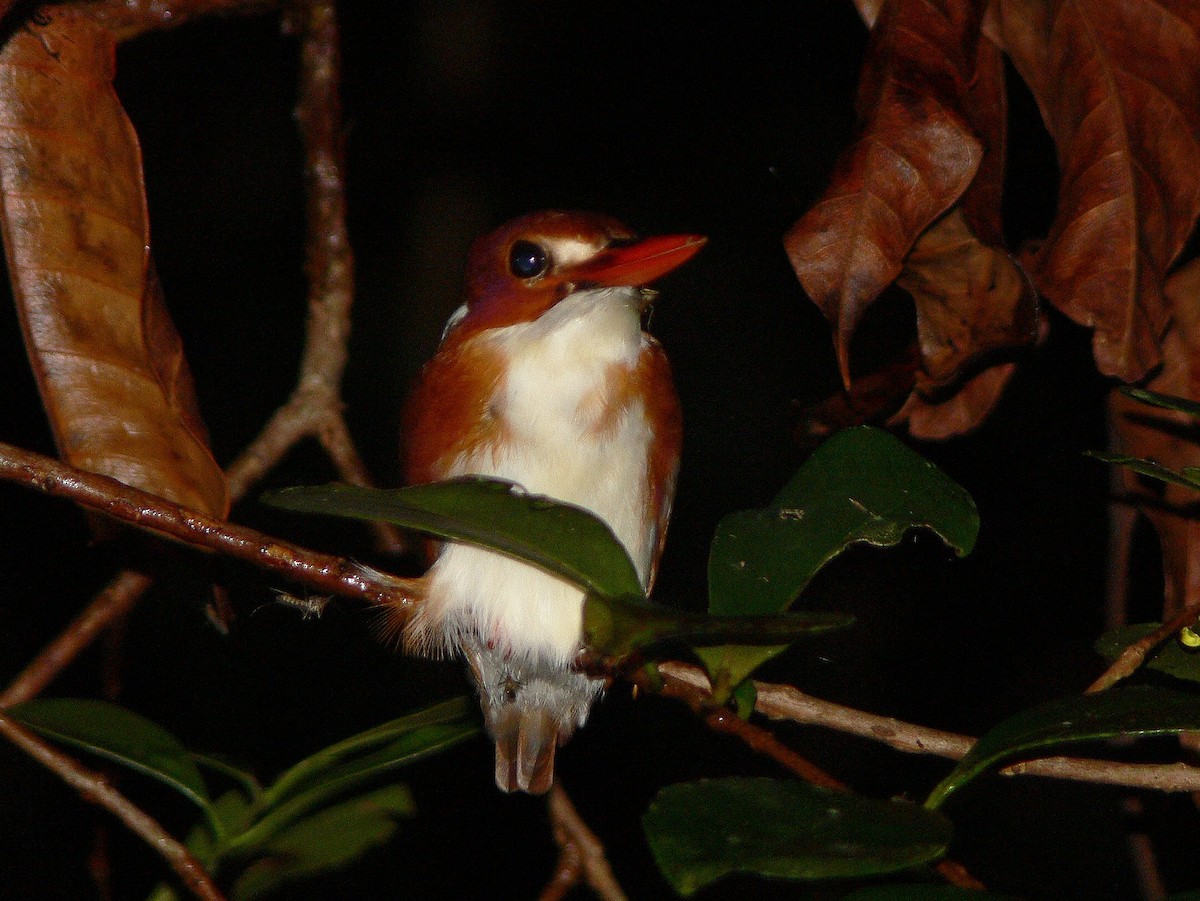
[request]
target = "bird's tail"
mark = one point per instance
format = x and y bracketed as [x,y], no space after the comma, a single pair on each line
[525,744]
[530,707]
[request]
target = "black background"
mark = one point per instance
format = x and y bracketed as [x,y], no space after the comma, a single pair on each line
[674,117]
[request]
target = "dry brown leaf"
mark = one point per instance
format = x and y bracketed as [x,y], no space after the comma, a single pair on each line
[986,107]
[985,104]
[1119,89]
[937,418]
[1172,439]
[108,360]
[916,157]
[971,299]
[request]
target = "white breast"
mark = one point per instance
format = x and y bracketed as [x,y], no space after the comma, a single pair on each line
[549,408]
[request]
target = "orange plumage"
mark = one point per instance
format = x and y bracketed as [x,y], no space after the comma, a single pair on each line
[544,377]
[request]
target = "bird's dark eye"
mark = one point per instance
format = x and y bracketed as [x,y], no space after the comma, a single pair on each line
[527,260]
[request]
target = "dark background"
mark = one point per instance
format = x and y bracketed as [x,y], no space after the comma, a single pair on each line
[721,120]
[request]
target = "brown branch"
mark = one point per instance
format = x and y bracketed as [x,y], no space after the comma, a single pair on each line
[1135,654]
[698,696]
[690,683]
[582,854]
[114,601]
[315,407]
[786,702]
[92,787]
[323,573]
[130,18]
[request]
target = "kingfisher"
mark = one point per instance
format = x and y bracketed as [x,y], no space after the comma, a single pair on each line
[544,377]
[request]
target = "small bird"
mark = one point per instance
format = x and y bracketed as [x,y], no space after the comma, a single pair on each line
[544,377]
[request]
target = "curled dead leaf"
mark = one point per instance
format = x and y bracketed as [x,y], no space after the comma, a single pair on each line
[1119,90]
[108,360]
[915,158]
[971,300]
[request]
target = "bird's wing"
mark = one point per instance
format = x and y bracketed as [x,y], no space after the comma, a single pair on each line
[448,413]
[659,400]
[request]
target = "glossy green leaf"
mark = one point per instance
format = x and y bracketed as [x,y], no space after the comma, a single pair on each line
[1165,401]
[702,831]
[245,780]
[329,839]
[327,763]
[1138,710]
[560,538]
[924,892]
[121,736]
[618,627]
[863,485]
[1170,657]
[336,770]
[1148,468]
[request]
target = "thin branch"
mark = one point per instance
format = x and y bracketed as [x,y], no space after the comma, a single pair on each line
[691,684]
[130,18]
[582,854]
[1135,654]
[786,702]
[323,573]
[114,601]
[94,788]
[698,696]
[315,407]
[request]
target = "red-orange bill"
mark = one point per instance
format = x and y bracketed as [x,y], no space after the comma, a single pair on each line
[641,262]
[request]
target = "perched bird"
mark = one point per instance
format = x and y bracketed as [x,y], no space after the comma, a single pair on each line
[544,377]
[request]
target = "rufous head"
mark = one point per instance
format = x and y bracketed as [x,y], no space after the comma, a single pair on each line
[522,269]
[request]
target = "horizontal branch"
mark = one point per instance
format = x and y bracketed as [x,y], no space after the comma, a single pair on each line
[788,703]
[319,572]
[130,18]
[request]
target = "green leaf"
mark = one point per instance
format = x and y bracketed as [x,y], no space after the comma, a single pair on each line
[1165,401]
[324,764]
[1139,710]
[702,831]
[121,736]
[924,892]
[745,696]
[335,770]
[1146,467]
[862,485]
[619,626]
[332,838]
[1170,658]
[560,538]
[244,779]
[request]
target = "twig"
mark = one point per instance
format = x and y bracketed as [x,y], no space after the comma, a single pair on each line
[315,407]
[691,684]
[130,18]
[786,702]
[1135,654]
[114,601]
[321,572]
[582,854]
[92,787]
[698,695]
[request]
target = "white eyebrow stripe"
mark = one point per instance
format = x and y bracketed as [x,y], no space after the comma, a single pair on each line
[571,251]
